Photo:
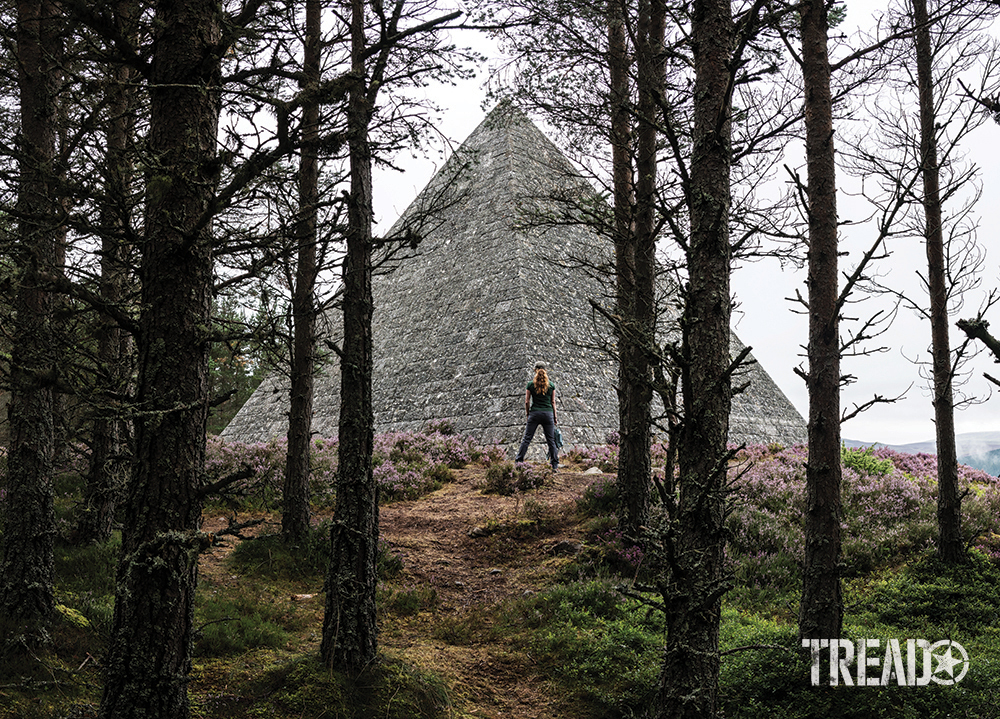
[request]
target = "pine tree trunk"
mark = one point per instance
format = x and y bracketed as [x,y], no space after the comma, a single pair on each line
[149,656]
[295,500]
[109,461]
[693,590]
[951,548]
[26,571]
[634,242]
[821,608]
[349,632]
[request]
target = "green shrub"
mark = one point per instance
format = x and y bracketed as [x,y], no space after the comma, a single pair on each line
[500,479]
[270,557]
[507,478]
[440,474]
[770,675]
[772,678]
[599,498]
[926,593]
[863,461]
[389,689]
[228,625]
[602,649]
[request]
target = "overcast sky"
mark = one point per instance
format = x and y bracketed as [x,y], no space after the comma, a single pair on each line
[765,320]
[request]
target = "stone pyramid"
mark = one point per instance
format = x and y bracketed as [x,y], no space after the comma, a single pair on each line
[490,290]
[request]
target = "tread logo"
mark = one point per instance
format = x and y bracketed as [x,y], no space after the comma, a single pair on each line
[913,663]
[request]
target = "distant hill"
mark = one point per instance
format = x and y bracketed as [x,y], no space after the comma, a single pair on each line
[975,449]
[989,462]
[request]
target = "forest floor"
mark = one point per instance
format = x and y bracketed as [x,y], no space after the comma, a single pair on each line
[464,552]
[496,606]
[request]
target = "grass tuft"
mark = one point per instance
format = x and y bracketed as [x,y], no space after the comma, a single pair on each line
[237,623]
[390,688]
[270,557]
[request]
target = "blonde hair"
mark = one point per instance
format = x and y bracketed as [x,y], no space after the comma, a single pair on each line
[541,381]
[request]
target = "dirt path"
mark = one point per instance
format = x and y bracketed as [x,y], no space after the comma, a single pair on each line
[516,539]
[474,550]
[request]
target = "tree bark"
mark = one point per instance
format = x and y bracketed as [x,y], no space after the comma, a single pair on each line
[149,656]
[951,548]
[821,607]
[632,279]
[693,590]
[295,500]
[26,571]
[349,631]
[109,458]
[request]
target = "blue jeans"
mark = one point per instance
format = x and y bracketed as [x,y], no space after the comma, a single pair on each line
[547,420]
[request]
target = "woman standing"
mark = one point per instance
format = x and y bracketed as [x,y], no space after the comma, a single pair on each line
[540,408]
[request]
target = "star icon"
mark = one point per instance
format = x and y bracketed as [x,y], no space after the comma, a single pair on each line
[945,661]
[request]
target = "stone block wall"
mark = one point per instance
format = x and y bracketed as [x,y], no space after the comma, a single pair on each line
[492,287]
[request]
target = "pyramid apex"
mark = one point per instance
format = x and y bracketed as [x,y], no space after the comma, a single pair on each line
[504,118]
[506,112]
